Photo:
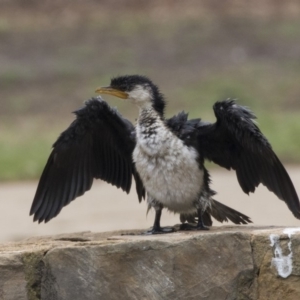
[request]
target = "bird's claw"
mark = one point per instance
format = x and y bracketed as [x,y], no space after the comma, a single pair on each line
[159,230]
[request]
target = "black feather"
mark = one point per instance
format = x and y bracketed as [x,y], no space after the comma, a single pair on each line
[235,142]
[98,144]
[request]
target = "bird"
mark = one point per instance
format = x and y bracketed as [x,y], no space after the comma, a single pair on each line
[165,157]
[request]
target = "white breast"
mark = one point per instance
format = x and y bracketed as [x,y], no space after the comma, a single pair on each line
[168,169]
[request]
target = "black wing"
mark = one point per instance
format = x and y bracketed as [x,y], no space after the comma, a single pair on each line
[235,142]
[98,144]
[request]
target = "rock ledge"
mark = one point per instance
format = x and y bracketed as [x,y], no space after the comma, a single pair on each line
[229,262]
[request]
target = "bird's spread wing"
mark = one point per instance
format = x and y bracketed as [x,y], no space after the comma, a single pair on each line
[98,144]
[235,142]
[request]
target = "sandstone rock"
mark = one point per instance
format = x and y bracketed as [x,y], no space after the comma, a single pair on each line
[12,279]
[230,262]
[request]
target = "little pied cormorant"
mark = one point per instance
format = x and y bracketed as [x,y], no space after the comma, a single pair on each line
[164,156]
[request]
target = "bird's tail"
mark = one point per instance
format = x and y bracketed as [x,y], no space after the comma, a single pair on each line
[223,213]
[220,212]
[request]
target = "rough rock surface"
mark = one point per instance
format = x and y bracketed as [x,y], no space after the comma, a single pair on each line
[230,262]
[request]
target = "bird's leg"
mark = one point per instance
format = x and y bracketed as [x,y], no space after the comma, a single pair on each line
[200,225]
[156,229]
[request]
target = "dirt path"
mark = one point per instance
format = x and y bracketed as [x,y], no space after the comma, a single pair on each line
[107,208]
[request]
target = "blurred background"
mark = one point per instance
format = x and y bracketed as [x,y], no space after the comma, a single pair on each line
[53,54]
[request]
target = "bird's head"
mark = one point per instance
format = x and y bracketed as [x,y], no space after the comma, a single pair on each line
[138,89]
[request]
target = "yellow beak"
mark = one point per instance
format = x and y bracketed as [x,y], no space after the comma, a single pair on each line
[111,91]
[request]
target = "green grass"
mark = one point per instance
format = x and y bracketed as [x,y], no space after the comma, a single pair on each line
[282,130]
[24,150]
[25,145]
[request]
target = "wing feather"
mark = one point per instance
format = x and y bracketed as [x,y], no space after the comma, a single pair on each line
[235,142]
[98,144]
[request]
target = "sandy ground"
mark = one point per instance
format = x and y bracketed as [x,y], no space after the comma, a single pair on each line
[106,208]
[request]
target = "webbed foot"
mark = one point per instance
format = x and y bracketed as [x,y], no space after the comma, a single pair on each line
[159,230]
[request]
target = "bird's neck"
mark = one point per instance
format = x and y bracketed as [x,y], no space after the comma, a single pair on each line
[149,103]
[149,117]
[151,132]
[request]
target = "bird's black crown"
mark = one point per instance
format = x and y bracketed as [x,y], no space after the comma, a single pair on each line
[128,82]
